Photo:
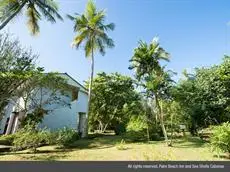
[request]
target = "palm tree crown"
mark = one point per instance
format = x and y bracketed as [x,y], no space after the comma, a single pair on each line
[91,30]
[146,58]
[34,9]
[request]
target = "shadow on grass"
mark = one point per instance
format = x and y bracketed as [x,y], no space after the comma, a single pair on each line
[222,156]
[189,142]
[37,157]
[101,142]
[36,153]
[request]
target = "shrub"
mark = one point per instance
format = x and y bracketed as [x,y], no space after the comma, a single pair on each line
[220,139]
[121,145]
[29,138]
[135,136]
[66,136]
[7,139]
[137,130]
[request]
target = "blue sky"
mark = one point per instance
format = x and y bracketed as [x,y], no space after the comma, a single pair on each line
[194,32]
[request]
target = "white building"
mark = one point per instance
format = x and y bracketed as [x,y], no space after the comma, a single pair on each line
[71,117]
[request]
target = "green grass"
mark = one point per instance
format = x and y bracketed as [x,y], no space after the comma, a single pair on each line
[109,148]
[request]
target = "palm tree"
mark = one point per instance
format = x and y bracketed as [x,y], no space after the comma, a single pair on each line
[92,33]
[148,70]
[34,9]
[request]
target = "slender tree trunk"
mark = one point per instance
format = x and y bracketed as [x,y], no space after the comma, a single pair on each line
[103,131]
[12,16]
[85,133]
[148,132]
[100,127]
[161,119]
[171,131]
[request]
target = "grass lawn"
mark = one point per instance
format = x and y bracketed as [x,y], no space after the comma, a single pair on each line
[107,148]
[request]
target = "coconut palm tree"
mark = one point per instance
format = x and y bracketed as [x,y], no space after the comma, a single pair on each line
[92,34]
[148,70]
[34,9]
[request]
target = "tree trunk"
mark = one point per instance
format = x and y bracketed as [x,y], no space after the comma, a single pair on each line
[161,119]
[85,133]
[12,16]
[171,140]
[103,131]
[148,133]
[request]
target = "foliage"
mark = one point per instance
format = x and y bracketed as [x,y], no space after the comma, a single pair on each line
[30,138]
[137,130]
[7,139]
[91,30]
[136,124]
[10,9]
[66,136]
[204,96]
[21,78]
[152,77]
[113,99]
[220,139]
[17,65]
[121,145]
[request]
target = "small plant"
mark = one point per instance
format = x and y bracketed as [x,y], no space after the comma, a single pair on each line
[7,139]
[29,138]
[220,139]
[121,145]
[158,156]
[66,137]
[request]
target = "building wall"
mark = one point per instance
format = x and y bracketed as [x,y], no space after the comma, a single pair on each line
[65,116]
[61,116]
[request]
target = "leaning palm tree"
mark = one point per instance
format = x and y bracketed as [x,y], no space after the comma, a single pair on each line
[92,34]
[148,70]
[34,9]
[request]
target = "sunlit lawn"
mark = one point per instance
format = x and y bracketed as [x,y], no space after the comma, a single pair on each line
[106,148]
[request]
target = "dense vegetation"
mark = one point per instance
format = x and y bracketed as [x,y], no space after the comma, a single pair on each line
[204,96]
[149,106]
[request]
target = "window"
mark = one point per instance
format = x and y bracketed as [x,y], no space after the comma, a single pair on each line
[74,94]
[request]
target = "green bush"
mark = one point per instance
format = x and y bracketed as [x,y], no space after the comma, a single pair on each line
[66,136]
[137,130]
[135,136]
[220,138]
[30,138]
[7,139]
[121,145]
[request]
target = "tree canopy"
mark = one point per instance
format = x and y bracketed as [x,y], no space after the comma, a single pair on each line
[112,99]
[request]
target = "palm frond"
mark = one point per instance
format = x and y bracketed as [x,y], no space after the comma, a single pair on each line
[8,7]
[90,9]
[51,7]
[46,13]
[91,30]
[109,27]
[98,19]
[71,17]
[79,39]
[89,47]
[106,40]
[33,17]
[101,46]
